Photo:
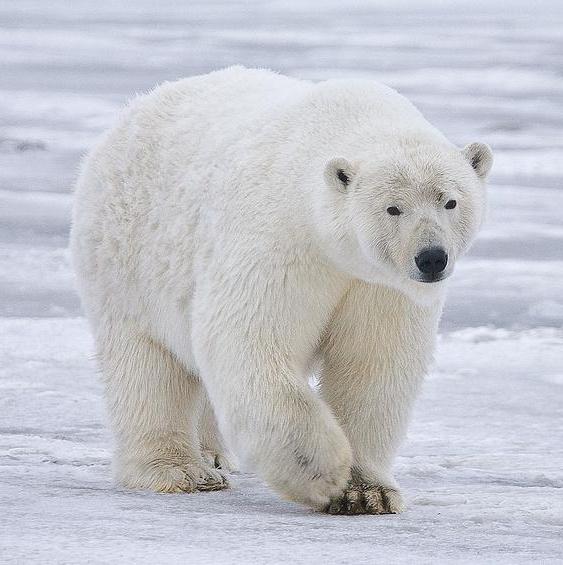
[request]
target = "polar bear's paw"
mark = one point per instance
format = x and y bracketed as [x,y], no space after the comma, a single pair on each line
[170,477]
[362,498]
[314,476]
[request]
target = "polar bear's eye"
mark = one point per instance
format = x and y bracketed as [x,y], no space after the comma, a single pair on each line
[393,210]
[450,204]
[343,177]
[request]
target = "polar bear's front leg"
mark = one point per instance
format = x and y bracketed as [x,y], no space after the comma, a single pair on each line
[375,354]
[279,427]
[252,341]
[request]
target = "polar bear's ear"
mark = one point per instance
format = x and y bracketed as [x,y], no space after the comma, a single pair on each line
[480,157]
[339,173]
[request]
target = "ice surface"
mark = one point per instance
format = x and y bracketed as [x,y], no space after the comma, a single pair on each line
[482,467]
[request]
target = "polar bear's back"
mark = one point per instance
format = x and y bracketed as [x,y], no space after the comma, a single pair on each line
[213,113]
[221,108]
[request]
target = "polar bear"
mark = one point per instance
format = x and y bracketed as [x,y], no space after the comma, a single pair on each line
[237,232]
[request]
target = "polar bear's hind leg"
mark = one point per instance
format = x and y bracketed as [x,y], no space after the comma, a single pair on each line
[213,446]
[154,404]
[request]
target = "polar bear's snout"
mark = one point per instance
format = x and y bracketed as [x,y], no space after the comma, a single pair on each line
[431,262]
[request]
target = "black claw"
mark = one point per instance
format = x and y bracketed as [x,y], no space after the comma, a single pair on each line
[356,505]
[334,506]
[361,498]
[385,500]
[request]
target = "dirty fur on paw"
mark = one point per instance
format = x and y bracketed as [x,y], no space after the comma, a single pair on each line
[209,479]
[362,498]
[215,482]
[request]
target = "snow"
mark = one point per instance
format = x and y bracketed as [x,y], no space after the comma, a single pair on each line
[481,468]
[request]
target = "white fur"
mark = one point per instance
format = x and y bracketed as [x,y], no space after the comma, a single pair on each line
[219,257]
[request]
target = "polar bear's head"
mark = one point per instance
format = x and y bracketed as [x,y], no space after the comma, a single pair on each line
[405,217]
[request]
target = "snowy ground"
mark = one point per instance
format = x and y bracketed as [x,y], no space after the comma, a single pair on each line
[482,467]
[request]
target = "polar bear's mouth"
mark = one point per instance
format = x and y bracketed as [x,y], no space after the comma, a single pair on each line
[430,279]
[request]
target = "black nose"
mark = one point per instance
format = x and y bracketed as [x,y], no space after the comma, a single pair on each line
[432,261]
